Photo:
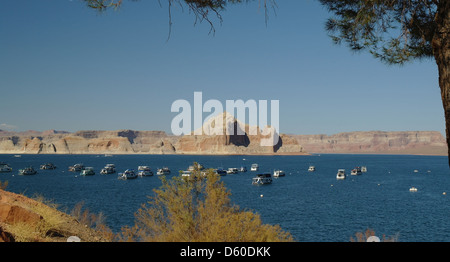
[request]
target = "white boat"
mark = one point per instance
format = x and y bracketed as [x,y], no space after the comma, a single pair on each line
[278,173]
[27,171]
[88,171]
[186,173]
[356,171]
[254,167]
[340,174]
[108,169]
[163,171]
[5,168]
[312,168]
[142,173]
[128,174]
[232,170]
[413,189]
[243,169]
[76,168]
[48,166]
[262,179]
[364,169]
[143,168]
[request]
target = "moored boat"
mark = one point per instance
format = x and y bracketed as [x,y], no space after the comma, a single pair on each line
[27,171]
[108,169]
[88,171]
[163,171]
[254,167]
[186,173]
[356,171]
[128,174]
[48,166]
[311,168]
[221,172]
[142,173]
[4,168]
[76,168]
[412,189]
[340,174]
[262,179]
[278,173]
[232,170]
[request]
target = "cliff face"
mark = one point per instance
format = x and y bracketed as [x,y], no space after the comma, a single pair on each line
[402,142]
[87,142]
[244,140]
[158,142]
[146,142]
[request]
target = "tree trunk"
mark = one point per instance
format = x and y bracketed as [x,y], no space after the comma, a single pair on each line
[441,51]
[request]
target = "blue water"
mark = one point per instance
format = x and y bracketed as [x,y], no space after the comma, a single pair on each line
[312,206]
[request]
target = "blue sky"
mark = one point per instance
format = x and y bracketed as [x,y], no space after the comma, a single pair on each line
[66,67]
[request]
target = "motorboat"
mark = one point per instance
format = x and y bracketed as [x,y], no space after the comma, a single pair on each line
[143,168]
[312,168]
[254,167]
[413,189]
[108,169]
[128,174]
[340,174]
[48,166]
[243,169]
[232,170]
[88,171]
[364,169]
[27,171]
[5,168]
[163,171]
[278,173]
[356,171]
[186,173]
[142,173]
[262,179]
[221,172]
[76,168]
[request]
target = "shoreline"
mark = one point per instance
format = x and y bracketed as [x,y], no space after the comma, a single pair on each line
[233,154]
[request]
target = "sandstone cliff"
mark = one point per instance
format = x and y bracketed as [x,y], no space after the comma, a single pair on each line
[241,139]
[381,142]
[147,142]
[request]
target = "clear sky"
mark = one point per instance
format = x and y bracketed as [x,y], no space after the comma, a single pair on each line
[65,67]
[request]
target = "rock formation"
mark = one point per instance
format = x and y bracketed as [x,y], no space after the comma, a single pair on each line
[381,142]
[224,134]
[149,142]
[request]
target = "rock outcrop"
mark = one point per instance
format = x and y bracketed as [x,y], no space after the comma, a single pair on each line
[25,219]
[149,142]
[224,134]
[380,142]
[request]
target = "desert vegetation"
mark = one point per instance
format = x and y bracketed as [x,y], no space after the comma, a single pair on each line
[184,209]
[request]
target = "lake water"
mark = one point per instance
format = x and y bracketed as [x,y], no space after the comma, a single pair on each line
[312,206]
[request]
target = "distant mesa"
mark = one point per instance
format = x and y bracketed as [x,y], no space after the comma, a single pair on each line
[219,143]
[150,142]
[376,142]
